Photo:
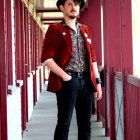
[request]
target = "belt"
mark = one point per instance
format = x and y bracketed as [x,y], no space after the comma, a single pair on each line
[78,74]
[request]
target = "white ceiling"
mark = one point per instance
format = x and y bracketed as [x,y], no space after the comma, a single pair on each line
[51,16]
[46,3]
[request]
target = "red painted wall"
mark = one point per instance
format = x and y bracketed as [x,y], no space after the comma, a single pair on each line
[127,48]
[112,34]
[118,34]
[118,45]
[91,17]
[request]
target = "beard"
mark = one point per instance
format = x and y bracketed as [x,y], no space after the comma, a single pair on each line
[72,17]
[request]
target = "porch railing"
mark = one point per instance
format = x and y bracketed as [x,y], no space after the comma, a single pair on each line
[119,110]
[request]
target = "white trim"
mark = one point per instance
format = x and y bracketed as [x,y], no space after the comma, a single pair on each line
[102,33]
[20,82]
[33,72]
[12,89]
[136,34]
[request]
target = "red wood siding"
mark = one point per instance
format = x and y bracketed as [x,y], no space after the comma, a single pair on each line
[112,34]
[127,48]
[132,108]
[92,18]
[118,45]
[3,72]
[118,35]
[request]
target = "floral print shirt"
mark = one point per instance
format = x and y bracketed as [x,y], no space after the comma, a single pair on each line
[78,61]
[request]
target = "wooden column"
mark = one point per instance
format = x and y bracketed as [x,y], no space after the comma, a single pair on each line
[3,72]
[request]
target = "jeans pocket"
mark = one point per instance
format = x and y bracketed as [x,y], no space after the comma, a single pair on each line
[68,80]
[73,83]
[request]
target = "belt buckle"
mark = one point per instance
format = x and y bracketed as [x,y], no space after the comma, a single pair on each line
[79,76]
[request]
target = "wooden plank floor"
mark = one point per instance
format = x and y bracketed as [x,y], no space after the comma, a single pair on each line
[43,121]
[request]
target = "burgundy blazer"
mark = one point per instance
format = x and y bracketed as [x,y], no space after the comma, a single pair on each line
[58,45]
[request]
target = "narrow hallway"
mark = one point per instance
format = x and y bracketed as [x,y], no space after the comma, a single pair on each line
[44,117]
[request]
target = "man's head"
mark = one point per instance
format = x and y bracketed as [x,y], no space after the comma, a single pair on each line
[70,8]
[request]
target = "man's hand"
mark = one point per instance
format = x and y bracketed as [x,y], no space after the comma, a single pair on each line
[67,77]
[98,94]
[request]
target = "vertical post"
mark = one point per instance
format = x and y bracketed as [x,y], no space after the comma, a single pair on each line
[24,105]
[107,131]
[9,42]
[3,72]
[18,40]
[124,100]
[112,104]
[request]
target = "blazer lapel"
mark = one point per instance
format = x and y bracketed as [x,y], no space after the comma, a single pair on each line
[85,35]
[87,39]
[65,33]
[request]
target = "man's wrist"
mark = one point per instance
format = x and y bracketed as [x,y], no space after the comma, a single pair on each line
[98,81]
[66,77]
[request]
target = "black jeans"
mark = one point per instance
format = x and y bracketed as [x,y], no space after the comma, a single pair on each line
[78,93]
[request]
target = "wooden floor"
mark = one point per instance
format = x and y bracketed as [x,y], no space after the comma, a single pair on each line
[43,121]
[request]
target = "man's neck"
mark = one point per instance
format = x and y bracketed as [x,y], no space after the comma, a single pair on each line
[70,22]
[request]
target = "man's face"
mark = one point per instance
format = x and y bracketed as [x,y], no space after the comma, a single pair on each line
[70,9]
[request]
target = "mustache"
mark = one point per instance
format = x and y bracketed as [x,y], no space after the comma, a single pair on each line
[72,11]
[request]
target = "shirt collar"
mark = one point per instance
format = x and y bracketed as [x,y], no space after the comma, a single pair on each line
[65,24]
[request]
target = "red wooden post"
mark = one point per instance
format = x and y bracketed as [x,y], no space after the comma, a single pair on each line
[3,73]
[34,59]
[107,130]
[124,101]
[112,104]
[18,40]
[9,42]
[24,105]
[26,55]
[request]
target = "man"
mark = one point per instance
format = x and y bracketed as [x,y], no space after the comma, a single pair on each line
[68,53]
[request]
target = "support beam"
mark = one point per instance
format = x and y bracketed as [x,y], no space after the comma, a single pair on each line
[49,23]
[42,10]
[51,19]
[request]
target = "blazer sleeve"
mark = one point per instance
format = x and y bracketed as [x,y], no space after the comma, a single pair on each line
[93,55]
[49,44]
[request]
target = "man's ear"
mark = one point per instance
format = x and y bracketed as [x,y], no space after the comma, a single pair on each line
[61,8]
